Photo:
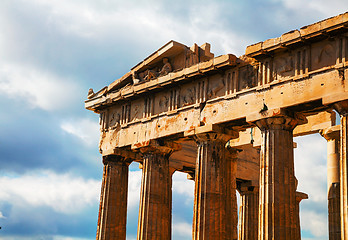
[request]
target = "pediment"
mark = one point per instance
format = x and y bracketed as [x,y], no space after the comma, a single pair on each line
[171,57]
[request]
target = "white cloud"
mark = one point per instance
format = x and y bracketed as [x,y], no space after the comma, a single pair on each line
[327,8]
[64,193]
[183,187]
[134,185]
[42,237]
[85,129]
[131,21]
[182,229]
[315,223]
[68,238]
[39,88]
[311,172]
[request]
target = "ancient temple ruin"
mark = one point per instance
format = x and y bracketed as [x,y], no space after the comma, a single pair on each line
[228,122]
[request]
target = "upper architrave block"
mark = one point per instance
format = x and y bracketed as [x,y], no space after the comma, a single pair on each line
[178,89]
[323,29]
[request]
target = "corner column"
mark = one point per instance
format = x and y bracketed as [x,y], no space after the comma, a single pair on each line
[342,109]
[156,194]
[277,217]
[332,136]
[249,211]
[113,199]
[215,205]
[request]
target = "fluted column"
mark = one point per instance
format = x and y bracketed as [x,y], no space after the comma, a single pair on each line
[215,201]
[113,200]
[342,109]
[155,197]
[232,164]
[299,197]
[248,213]
[277,217]
[332,136]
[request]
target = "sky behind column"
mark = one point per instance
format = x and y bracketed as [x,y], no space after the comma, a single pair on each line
[53,51]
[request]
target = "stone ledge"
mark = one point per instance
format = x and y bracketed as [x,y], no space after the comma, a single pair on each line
[294,36]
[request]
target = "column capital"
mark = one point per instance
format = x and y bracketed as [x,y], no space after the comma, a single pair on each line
[341,107]
[162,147]
[331,133]
[280,122]
[300,196]
[212,136]
[212,132]
[249,186]
[112,159]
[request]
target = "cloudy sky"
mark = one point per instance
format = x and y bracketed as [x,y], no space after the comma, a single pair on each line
[53,51]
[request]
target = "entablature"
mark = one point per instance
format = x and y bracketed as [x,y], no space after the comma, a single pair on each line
[325,29]
[204,94]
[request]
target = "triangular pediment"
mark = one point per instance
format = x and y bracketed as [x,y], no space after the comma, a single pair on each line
[171,57]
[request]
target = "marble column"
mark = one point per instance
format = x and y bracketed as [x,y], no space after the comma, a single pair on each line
[215,206]
[299,197]
[332,136]
[342,109]
[113,199]
[156,195]
[277,192]
[248,213]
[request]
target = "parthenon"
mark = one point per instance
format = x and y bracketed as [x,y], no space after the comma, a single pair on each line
[228,122]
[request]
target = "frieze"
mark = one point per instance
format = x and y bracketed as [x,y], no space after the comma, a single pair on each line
[323,54]
[247,77]
[283,66]
[217,86]
[188,96]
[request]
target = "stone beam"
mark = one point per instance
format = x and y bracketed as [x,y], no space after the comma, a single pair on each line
[314,124]
[220,111]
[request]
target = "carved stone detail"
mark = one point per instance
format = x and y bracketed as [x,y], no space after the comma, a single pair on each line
[231,82]
[247,77]
[213,90]
[188,97]
[283,67]
[201,93]
[148,106]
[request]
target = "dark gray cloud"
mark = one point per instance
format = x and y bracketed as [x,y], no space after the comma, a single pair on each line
[33,139]
[59,49]
[43,222]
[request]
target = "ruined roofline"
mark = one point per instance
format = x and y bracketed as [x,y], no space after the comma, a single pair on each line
[319,29]
[167,50]
[131,85]
[105,97]
[118,83]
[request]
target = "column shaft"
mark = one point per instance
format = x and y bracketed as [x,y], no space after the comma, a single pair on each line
[332,136]
[248,214]
[344,177]
[113,200]
[215,200]
[277,180]
[299,197]
[232,158]
[155,199]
